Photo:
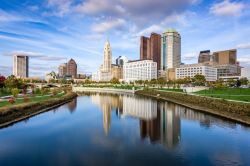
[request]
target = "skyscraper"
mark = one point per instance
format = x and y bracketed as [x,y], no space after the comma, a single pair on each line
[107,59]
[171,49]
[21,66]
[72,68]
[150,48]
[62,70]
[144,48]
[155,49]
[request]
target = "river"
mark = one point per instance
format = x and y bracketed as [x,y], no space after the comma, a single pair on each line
[119,129]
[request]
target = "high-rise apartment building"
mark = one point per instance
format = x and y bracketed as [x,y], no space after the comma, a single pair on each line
[72,68]
[170,49]
[226,57]
[62,70]
[150,48]
[21,66]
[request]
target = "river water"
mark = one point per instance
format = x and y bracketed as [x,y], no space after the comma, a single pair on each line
[112,129]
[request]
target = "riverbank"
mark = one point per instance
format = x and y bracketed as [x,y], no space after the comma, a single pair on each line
[239,112]
[15,113]
[103,90]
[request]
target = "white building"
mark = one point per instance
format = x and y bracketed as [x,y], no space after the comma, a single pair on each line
[191,70]
[245,72]
[171,49]
[139,70]
[21,66]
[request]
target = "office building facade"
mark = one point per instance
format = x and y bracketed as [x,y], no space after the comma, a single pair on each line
[139,70]
[191,70]
[170,49]
[21,66]
[205,56]
[62,70]
[72,68]
[150,48]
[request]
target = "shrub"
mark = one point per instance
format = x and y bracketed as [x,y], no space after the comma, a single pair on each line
[14,92]
[44,91]
[37,91]
[12,100]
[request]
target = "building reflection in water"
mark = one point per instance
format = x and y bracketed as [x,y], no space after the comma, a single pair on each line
[72,105]
[159,121]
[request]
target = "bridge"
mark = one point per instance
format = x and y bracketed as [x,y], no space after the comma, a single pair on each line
[47,85]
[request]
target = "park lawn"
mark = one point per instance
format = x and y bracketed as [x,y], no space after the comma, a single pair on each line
[239,94]
[32,99]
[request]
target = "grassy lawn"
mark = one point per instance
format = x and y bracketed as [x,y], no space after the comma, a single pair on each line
[32,99]
[238,94]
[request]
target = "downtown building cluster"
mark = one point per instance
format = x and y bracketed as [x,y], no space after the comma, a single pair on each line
[160,56]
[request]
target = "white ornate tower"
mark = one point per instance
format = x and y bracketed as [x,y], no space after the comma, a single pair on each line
[107,61]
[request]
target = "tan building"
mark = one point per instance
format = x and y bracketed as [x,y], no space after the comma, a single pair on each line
[72,68]
[205,56]
[117,72]
[62,70]
[170,74]
[226,57]
[21,66]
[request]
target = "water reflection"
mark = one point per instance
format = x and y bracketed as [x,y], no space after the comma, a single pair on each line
[72,105]
[159,121]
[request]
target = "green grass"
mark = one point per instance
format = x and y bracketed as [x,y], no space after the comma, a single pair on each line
[238,94]
[32,99]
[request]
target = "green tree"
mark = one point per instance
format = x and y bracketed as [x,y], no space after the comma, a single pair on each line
[13,82]
[199,80]
[244,81]
[161,81]
[14,92]
[114,81]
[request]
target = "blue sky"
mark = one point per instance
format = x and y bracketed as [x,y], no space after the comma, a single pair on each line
[53,31]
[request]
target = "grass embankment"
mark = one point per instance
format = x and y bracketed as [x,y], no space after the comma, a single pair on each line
[232,110]
[12,113]
[238,94]
[37,98]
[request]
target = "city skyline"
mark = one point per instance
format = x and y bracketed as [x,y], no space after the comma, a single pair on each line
[55,31]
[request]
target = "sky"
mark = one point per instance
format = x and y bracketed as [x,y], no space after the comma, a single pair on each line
[53,31]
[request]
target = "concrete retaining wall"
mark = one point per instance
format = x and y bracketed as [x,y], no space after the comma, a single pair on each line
[109,90]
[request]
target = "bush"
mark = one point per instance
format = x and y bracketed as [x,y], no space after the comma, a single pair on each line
[14,92]
[11,100]
[37,91]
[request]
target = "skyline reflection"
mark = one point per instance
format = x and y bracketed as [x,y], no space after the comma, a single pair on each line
[159,121]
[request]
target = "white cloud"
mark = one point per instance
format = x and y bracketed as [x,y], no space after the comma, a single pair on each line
[244,46]
[62,7]
[108,25]
[150,29]
[245,60]
[227,8]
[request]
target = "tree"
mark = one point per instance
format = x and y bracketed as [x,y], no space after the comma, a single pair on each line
[2,79]
[244,81]
[14,92]
[199,80]
[161,81]
[114,81]
[13,82]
